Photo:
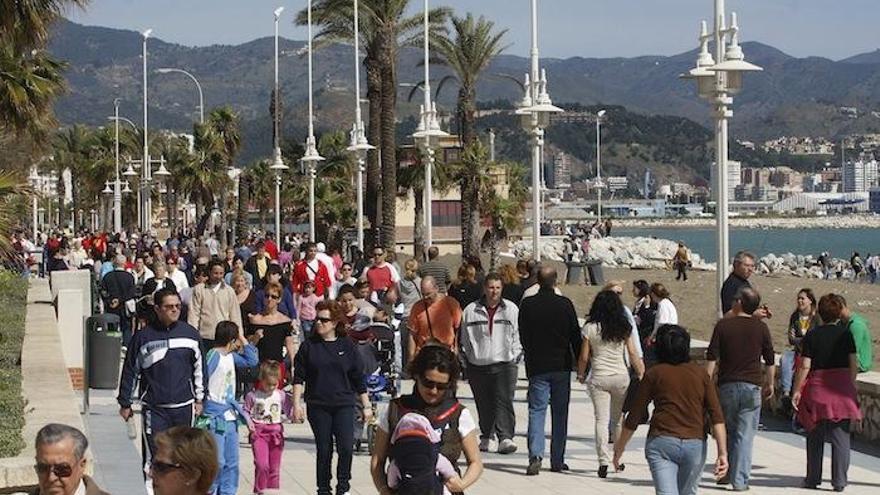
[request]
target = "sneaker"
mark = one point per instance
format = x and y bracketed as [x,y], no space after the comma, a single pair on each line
[506,446]
[603,471]
[534,466]
[559,468]
[485,443]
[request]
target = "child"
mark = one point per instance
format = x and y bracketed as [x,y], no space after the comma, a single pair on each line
[416,467]
[222,413]
[305,308]
[265,406]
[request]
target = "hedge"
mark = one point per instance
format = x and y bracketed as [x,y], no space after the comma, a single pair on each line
[13,306]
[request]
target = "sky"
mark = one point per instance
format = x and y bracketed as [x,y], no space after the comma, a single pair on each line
[589,28]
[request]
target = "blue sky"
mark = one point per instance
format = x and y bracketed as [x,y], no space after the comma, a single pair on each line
[589,28]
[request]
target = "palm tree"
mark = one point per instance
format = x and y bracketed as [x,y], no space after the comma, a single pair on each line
[413,178]
[27,23]
[225,123]
[12,186]
[29,82]
[73,153]
[385,28]
[259,186]
[468,54]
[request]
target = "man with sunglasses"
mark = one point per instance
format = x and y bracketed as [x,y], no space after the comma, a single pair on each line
[60,462]
[165,363]
[381,275]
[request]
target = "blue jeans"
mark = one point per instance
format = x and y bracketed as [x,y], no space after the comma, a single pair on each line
[306,327]
[676,464]
[552,388]
[741,403]
[786,371]
[332,425]
[226,481]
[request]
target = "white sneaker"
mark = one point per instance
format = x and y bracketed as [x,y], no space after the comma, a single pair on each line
[485,443]
[506,446]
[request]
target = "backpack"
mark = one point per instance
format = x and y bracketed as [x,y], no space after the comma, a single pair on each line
[416,458]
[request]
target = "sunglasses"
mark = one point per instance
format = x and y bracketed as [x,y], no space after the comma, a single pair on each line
[273,296]
[323,319]
[161,468]
[60,470]
[430,384]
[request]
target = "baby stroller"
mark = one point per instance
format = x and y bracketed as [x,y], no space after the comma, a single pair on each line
[376,348]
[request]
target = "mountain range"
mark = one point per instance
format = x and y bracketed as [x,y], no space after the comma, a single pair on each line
[792,96]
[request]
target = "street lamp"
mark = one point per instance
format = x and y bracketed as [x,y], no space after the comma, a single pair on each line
[716,82]
[278,165]
[535,110]
[34,180]
[167,70]
[146,209]
[117,193]
[358,140]
[428,134]
[311,156]
[599,116]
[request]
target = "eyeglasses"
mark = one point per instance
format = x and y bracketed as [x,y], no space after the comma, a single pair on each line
[273,296]
[430,384]
[60,470]
[323,319]
[161,468]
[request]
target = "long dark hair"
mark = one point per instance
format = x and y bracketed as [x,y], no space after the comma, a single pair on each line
[607,310]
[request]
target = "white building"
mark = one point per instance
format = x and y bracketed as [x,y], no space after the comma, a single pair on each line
[859,175]
[734,177]
[561,171]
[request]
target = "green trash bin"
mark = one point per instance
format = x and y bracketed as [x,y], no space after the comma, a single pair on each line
[104,341]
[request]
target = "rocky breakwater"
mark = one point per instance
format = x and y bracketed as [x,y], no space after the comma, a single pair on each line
[639,253]
[801,266]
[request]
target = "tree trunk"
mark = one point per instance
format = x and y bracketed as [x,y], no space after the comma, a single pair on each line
[241,213]
[389,148]
[374,135]
[469,184]
[419,225]
[494,257]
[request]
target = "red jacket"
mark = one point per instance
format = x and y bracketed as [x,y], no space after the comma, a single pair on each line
[301,276]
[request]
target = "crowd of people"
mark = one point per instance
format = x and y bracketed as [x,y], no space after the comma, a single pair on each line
[259,334]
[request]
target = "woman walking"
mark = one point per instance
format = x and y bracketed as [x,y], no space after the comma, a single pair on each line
[606,340]
[466,289]
[328,374]
[686,406]
[274,330]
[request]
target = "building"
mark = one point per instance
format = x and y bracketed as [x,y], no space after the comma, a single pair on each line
[734,176]
[561,176]
[859,175]
[874,200]
[616,183]
[857,202]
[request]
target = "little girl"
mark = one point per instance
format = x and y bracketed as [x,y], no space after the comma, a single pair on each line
[265,406]
[305,308]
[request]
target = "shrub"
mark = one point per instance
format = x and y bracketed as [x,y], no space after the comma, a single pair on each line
[13,305]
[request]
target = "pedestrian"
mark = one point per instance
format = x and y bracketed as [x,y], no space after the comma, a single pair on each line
[238,267]
[743,268]
[305,308]
[311,268]
[178,276]
[491,347]
[287,306]
[825,396]
[257,264]
[118,291]
[551,340]
[381,275]
[410,293]
[511,289]
[858,267]
[185,463]
[686,406]
[666,314]
[60,462]
[436,371]
[738,345]
[434,268]
[165,363]
[328,374]
[681,262]
[345,277]
[265,406]
[802,321]
[212,302]
[434,319]
[465,288]
[222,413]
[608,338]
[644,310]
[858,326]
[274,330]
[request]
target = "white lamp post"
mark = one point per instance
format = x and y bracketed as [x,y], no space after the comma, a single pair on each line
[599,116]
[717,82]
[34,179]
[428,134]
[167,70]
[277,163]
[146,209]
[311,156]
[358,142]
[117,192]
[535,110]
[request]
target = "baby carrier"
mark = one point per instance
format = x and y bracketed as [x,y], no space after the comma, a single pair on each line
[416,457]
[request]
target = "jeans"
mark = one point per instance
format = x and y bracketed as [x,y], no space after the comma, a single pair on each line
[226,481]
[608,394]
[332,425]
[676,464]
[552,388]
[493,387]
[786,371]
[306,327]
[741,403]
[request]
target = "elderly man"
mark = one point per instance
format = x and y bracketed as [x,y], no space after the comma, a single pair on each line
[743,267]
[435,318]
[118,293]
[61,462]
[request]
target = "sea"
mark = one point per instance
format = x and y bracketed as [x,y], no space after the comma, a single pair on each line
[840,243]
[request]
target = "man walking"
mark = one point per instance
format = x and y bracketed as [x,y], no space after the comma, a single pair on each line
[381,275]
[310,269]
[435,269]
[738,344]
[213,302]
[491,346]
[60,462]
[551,340]
[165,363]
[434,319]
[119,293]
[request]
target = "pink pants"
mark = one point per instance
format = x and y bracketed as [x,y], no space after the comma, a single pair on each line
[267,443]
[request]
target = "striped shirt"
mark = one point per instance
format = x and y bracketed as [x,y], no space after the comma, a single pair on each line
[437,270]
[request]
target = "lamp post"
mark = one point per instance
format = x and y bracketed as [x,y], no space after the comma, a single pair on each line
[599,116]
[117,192]
[311,156]
[278,165]
[358,140]
[167,70]
[146,173]
[428,135]
[34,180]
[535,110]
[716,82]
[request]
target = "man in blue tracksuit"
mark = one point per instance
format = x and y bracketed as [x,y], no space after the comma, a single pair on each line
[164,370]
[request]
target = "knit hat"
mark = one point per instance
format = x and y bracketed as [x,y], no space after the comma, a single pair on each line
[415,425]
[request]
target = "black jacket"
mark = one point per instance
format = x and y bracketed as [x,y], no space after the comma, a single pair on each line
[117,286]
[549,332]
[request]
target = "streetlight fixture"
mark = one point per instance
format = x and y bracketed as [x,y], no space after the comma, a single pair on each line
[168,70]
[716,82]
[599,185]
[428,135]
[535,110]
[278,165]
[358,139]
[146,208]
[117,192]
[34,180]
[311,156]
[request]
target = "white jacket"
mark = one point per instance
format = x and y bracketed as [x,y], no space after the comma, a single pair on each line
[502,346]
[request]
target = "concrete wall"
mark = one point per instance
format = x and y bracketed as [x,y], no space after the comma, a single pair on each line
[71,293]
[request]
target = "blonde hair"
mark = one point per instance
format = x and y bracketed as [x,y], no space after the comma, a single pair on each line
[508,273]
[614,283]
[466,273]
[270,371]
[194,449]
[410,268]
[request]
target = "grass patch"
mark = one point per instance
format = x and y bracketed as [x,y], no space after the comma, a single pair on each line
[13,306]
